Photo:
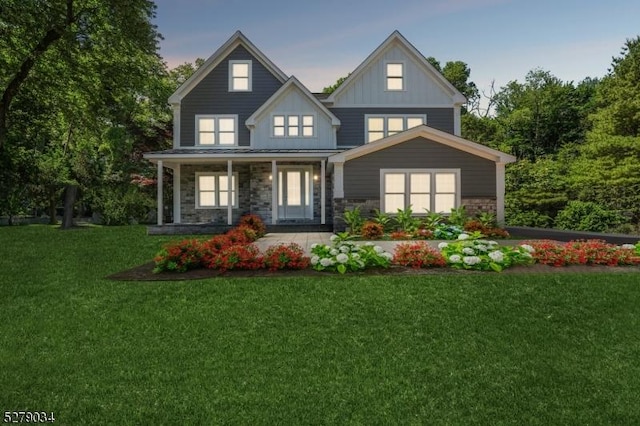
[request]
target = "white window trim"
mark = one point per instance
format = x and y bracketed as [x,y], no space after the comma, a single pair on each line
[250,77]
[216,131]
[432,193]
[403,78]
[234,190]
[385,118]
[300,126]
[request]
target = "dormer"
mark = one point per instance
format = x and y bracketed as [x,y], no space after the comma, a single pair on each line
[293,118]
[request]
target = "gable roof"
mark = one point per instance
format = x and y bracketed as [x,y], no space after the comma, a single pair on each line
[396,37]
[237,39]
[295,83]
[431,134]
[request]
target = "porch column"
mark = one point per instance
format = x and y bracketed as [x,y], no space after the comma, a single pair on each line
[274,192]
[176,194]
[160,191]
[500,193]
[231,196]
[338,180]
[323,193]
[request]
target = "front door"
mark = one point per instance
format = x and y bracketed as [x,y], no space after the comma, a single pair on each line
[295,193]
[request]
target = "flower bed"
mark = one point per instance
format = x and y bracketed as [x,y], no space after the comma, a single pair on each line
[470,251]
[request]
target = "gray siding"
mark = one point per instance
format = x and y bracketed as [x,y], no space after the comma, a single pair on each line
[212,96]
[362,175]
[352,125]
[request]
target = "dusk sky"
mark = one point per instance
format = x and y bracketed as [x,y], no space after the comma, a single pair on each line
[319,41]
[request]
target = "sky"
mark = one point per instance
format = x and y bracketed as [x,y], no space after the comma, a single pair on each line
[320,41]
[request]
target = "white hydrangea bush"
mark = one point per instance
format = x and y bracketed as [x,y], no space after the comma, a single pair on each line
[473,253]
[345,256]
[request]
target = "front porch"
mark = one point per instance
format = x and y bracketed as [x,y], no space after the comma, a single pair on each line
[211,194]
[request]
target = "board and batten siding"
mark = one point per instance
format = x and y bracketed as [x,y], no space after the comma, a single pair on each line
[362,175]
[212,96]
[293,102]
[353,126]
[370,88]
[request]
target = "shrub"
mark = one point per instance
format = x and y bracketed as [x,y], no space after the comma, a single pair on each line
[346,256]
[285,256]
[587,216]
[400,235]
[120,205]
[484,255]
[486,230]
[582,252]
[254,222]
[239,236]
[529,218]
[353,219]
[418,255]
[458,216]
[250,234]
[447,232]
[405,220]
[179,256]
[422,234]
[237,256]
[372,230]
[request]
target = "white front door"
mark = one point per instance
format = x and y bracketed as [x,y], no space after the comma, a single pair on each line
[295,193]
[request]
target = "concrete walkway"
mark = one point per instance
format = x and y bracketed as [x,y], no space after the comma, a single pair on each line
[306,239]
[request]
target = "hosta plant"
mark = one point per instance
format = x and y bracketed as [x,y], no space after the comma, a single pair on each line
[484,255]
[344,256]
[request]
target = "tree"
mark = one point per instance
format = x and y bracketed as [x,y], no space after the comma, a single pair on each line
[330,89]
[93,65]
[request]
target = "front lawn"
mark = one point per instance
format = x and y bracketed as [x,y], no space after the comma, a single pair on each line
[437,349]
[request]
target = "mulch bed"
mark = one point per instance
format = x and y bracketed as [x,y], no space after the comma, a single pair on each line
[145,272]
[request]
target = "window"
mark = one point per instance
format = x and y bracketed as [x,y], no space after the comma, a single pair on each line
[239,76]
[395,76]
[212,190]
[423,189]
[293,126]
[216,130]
[379,127]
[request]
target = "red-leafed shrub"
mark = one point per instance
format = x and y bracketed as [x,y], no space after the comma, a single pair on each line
[581,252]
[285,256]
[238,236]
[372,230]
[254,222]
[179,256]
[400,235]
[250,234]
[418,255]
[239,256]
[422,234]
[487,231]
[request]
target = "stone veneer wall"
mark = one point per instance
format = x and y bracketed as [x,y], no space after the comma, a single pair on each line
[473,206]
[215,216]
[254,196]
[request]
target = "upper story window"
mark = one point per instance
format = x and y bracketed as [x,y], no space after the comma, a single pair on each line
[216,130]
[381,126]
[395,76]
[239,76]
[294,126]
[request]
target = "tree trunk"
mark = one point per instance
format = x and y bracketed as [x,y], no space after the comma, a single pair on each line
[70,193]
[52,209]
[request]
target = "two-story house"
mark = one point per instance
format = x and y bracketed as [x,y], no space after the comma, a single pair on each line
[250,139]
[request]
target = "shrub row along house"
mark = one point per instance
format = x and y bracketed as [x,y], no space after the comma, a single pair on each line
[250,139]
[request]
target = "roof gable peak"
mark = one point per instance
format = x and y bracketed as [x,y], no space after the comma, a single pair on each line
[237,39]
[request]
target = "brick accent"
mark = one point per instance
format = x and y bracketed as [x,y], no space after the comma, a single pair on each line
[479,205]
[367,207]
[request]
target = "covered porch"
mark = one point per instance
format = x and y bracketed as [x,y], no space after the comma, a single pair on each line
[215,188]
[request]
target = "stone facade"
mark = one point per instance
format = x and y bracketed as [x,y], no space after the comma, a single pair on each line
[367,210]
[255,193]
[475,206]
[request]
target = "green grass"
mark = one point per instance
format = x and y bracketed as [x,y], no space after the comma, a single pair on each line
[436,349]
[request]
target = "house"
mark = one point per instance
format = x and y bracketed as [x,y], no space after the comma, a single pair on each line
[250,139]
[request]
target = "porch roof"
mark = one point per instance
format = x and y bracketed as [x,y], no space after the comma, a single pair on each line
[198,155]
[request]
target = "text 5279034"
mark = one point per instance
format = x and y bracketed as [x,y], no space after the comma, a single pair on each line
[28,417]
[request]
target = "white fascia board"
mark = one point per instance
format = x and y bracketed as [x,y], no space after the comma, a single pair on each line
[214,60]
[427,133]
[207,158]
